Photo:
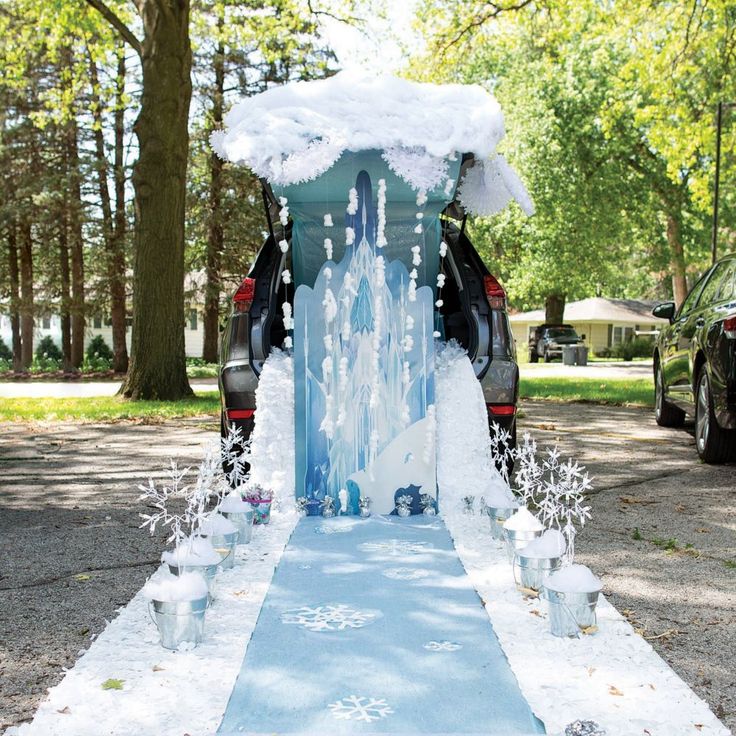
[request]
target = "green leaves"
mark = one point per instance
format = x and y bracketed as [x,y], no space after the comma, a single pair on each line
[113,684]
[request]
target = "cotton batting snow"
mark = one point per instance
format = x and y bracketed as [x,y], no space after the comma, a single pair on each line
[296,132]
[190,586]
[573,579]
[523,521]
[192,551]
[464,463]
[272,447]
[216,524]
[550,544]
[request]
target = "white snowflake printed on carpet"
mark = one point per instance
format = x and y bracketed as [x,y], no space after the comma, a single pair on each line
[396,547]
[354,708]
[333,528]
[328,618]
[406,573]
[443,646]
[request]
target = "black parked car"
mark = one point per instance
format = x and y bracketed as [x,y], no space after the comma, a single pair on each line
[695,362]
[548,339]
[473,313]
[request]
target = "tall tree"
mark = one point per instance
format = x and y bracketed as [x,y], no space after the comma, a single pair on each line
[158,366]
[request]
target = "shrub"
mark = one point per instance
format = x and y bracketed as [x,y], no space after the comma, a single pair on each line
[639,347]
[6,354]
[99,349]
[48,354]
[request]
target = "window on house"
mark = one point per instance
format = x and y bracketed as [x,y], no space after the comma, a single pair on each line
[97,322]
[192,319]
[46,323]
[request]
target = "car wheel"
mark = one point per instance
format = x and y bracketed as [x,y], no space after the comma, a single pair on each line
[533,357]
[714,445]
[547,357]
[666,414]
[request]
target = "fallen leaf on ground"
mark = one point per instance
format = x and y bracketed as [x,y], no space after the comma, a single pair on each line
[158,668]
[113,684]
[82,578]
[636,500]
[591,670]
[65,710]
[588,629]
[613,690]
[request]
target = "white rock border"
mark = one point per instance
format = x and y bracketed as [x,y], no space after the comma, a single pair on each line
[166,693]
[613,677]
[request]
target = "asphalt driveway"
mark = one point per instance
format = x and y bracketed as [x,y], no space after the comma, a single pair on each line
[663,538]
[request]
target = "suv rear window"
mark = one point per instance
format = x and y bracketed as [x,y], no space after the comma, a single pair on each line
[561,332]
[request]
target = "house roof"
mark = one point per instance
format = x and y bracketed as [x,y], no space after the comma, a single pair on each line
[599,309]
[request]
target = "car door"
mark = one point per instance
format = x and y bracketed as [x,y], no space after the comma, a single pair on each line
[677,344]
[716,302]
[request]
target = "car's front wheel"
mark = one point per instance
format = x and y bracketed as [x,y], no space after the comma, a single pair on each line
[714,445]
[547,357]
[666,414]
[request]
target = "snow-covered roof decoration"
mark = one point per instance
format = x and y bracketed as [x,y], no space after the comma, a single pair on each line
[296,132]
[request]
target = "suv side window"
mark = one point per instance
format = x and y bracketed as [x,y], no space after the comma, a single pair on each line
[728,283]
[692,298]
[709,293]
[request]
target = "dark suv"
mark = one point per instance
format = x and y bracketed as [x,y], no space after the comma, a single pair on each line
[473,313]
[547,341]
[695,362]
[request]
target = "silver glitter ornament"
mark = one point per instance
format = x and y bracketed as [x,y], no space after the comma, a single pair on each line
[584,728]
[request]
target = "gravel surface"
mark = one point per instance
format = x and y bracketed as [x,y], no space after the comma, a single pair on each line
[662,538]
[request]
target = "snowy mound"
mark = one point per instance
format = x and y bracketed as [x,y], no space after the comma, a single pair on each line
[573,579]
[296,132]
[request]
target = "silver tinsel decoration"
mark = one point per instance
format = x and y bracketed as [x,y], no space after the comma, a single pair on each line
[403,505]
[328,507]
[584,728]
[364,507]
[301,505]
[469,502]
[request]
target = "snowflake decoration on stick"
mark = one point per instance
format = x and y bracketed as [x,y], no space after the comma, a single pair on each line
[502,453]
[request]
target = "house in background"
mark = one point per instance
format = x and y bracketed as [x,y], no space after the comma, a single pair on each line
[49,324]
[604,322]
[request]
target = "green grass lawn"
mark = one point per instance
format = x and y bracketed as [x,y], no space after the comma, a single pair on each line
[106,409]
[635,392]
[619,391]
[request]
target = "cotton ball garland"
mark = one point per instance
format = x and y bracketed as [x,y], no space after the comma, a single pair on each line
[288,319]
[436,335]
[352,208]
[286,276]
[288,342]
[328,220]
[440,280]
[284,211]
[328,249]
[381,224]
[421,198]
[284,245]
[419,229]
[416,257]
[443,249]
[349,236]
[438,303]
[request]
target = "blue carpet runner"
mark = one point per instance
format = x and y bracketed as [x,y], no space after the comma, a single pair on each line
[373,627]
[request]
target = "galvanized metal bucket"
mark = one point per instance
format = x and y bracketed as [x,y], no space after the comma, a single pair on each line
[244,521]
[179,622]
[208,572]
[530,572]
[571,614]
[497,517]
[225,544]
[516,540]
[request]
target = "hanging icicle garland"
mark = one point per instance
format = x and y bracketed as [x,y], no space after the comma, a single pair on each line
[381,241]
[327,221]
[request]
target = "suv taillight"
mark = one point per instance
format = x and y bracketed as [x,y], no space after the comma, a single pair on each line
[494,293]
[243,298]
[729,327]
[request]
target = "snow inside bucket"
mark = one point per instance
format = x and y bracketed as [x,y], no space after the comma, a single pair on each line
[572,595]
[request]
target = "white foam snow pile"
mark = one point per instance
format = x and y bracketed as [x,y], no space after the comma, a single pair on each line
[189,586]
[297,131]
[573,579]
[550,544]
[234,504]
[192,551]
[464,464]
[216,524]
[523,520]
[272,442]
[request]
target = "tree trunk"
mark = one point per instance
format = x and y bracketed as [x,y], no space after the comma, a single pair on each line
[65,282]
[677,258]
[158,364]
[554,308]
[113,233]
[116,273]
[215,238]
[76,239]
[26,295]
[14,278]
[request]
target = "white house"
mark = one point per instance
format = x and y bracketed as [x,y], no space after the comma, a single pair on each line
[604,322]
[50,324]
